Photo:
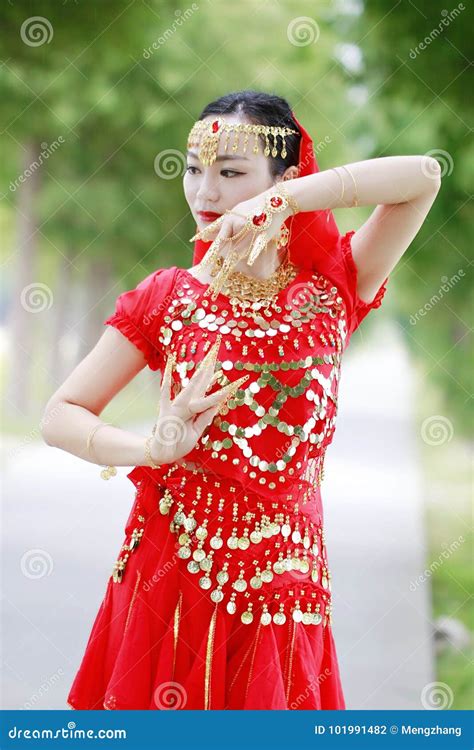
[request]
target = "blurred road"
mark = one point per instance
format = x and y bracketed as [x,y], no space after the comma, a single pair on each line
[63,527]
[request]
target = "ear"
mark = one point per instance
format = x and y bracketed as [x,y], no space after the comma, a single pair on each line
[289,174]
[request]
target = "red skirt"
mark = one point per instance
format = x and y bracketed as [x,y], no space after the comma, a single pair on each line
[219,599]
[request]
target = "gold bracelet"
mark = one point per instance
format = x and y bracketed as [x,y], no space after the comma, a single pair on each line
[355,201]
[292,202]
[334,169]
[148,458]
[107,471]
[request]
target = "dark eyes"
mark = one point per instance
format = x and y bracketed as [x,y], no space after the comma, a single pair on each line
[223,171]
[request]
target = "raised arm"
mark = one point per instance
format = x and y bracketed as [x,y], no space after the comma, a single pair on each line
[402,187]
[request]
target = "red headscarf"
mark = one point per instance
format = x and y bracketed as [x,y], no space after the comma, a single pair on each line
[313,234]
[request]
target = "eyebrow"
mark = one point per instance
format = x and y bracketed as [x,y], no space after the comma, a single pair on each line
[221,158]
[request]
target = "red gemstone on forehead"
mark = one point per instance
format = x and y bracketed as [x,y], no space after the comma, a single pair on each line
[276,201]
[215,126]
[259,219]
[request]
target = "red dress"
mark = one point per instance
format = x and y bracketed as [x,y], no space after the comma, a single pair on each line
[220,597]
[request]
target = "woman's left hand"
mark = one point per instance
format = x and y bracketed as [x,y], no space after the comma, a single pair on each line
[232,223]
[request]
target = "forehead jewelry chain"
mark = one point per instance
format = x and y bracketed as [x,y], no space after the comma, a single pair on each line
[206,135]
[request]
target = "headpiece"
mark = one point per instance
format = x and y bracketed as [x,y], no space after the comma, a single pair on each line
[207,133]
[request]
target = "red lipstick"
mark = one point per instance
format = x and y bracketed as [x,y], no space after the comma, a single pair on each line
[208,215]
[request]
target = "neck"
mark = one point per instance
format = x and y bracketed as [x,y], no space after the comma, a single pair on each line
[265,265]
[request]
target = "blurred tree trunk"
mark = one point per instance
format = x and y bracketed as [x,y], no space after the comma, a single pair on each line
[97,282]
[63,299]
[25,303]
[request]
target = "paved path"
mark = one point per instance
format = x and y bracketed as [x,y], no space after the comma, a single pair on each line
[63,527]
[376,539]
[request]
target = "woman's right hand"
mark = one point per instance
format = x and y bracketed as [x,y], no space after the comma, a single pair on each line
[177,428]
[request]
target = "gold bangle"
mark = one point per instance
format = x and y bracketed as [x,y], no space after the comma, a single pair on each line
[107,471]
[92,433]
[343,187]
[292,202]
[148,459]
[355,201]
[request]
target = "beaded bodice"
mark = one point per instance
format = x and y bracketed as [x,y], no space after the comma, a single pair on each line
[275,430]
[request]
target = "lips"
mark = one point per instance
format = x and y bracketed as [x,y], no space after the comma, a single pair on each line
[208,215]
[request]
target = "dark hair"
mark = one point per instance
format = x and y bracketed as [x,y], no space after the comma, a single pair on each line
[262,109]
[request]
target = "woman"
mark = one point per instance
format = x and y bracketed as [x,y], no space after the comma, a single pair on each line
[220,597]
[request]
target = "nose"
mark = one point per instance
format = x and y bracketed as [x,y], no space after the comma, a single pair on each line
[208,191]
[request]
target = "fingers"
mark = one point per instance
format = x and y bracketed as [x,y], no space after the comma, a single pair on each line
[205,233]
[205,369]
[166,380]
[205,419]
[219,397]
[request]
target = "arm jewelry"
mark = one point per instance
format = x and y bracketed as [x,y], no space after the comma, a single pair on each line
[355,201]
[111,471]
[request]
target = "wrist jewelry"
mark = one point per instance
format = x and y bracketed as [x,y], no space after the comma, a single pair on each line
[148,459]
[258,223]
[107,471]
[292,202]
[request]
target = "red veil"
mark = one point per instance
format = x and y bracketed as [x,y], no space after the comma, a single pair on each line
[314,236]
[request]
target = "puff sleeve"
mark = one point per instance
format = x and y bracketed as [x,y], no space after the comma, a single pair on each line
[358,309]
[138,314]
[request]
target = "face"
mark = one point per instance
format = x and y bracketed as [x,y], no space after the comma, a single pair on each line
[234,176]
